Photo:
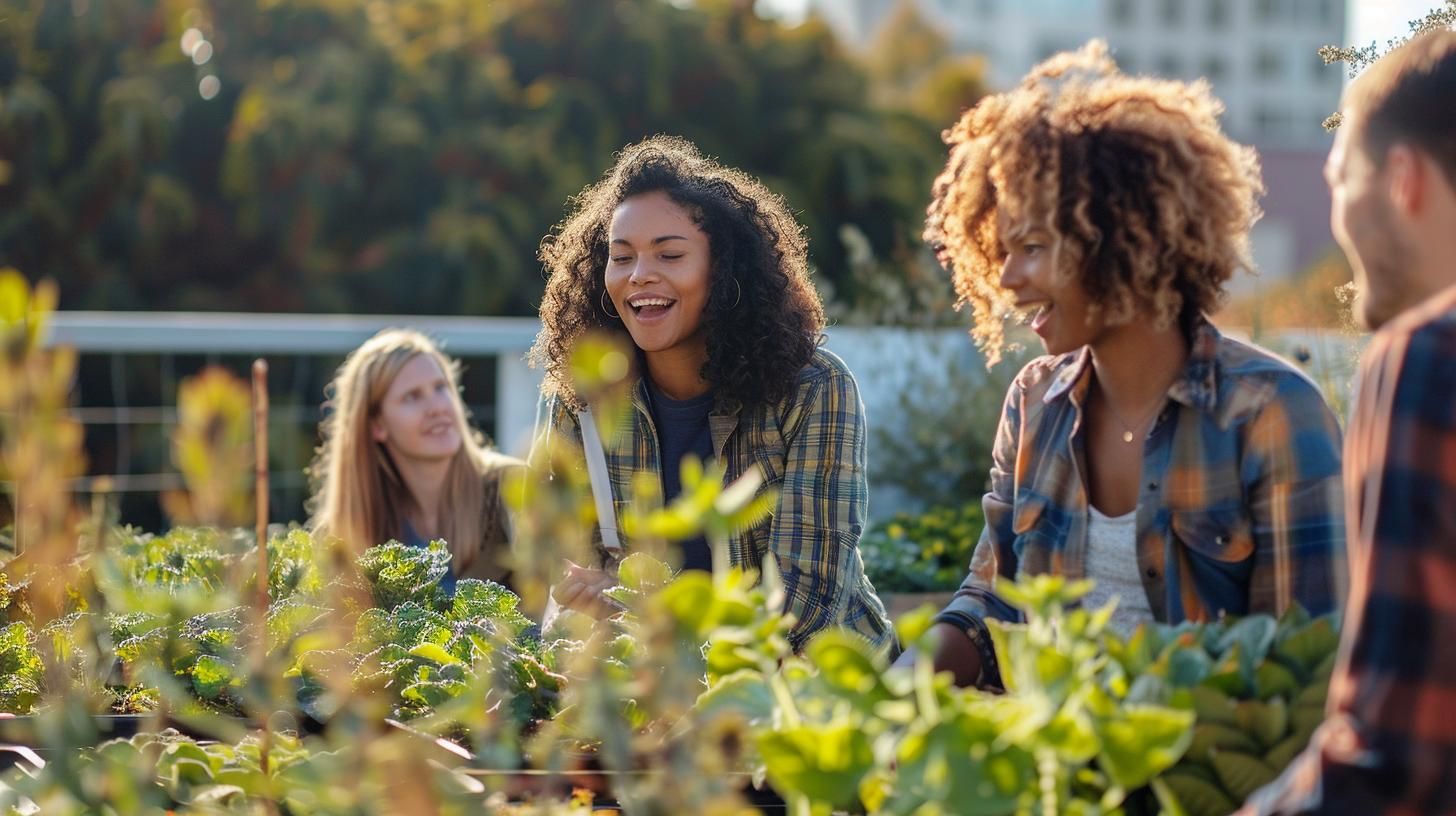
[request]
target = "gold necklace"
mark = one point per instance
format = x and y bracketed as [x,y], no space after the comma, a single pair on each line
[1128,434]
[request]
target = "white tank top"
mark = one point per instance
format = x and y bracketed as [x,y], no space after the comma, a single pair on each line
[1112,563]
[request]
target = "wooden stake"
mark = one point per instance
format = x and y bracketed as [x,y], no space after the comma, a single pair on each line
[260,499]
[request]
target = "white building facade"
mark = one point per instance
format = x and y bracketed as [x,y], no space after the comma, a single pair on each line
[1261,57]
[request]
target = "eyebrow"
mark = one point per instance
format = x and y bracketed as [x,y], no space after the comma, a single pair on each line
[655,241]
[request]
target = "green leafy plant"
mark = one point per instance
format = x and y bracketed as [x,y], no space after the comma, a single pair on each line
[926,552]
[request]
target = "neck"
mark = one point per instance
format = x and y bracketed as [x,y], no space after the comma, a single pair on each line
[1136,364]
[1437,272]
[425,481]
[677,372]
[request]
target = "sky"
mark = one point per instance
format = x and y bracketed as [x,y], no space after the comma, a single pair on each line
[1367,20]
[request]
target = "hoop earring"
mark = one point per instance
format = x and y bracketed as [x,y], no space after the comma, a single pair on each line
[608,312]
[739,288]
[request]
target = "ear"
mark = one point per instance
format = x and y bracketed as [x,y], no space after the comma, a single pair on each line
[1405,180]
[376,430]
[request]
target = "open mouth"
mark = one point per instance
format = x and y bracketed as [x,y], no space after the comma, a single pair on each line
[650,306]
[1033,313]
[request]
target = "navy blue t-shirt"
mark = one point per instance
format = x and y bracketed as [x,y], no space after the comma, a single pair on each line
[682,428]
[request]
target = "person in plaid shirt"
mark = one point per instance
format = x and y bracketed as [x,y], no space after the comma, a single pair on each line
[1190,475]
[706,272]
[1388,744]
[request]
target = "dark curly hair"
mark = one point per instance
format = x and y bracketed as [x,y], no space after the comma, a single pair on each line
[758,339]
[1152,203]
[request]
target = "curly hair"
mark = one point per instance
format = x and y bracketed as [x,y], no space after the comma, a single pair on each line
[1150,202]
[763,319]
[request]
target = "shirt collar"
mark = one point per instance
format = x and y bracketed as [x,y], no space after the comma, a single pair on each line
[1196,386]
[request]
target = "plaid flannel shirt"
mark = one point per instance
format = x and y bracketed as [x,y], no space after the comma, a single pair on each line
[1240,506]
[1388,744]
[811,449]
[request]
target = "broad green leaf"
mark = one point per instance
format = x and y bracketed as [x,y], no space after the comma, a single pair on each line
[825,763]
[846,662]
[1254,635]
[211,676]
[1186,665]
[1241,774]
[643,573]
[1267,722]
[915,623]
[1211,737]
[1197,796]
[434,652]
[1284,753]
[960,761]
[745,692]
[1274,679]
[1072,735]
[1310,645]
[1213,706]
[1142,743]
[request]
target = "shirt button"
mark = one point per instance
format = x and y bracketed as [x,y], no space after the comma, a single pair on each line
[1152,573]
[1220,540]
[1152,486]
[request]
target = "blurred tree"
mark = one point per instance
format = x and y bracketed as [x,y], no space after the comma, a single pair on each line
[407,156]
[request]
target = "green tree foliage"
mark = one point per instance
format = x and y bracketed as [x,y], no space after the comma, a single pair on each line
[407,156]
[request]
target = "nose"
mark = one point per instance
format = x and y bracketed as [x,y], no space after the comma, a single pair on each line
[642,273]
[1012,277]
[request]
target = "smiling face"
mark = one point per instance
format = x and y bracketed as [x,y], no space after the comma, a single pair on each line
[1363,223]
[419,418]
[658,273]
[1058,303]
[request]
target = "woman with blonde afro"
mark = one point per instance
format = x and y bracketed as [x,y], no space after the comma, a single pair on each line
[1189,474]
[400,461]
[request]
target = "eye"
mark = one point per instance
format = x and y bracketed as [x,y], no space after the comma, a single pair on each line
[672,257]
[441,386]
[621,259]
[1032,249]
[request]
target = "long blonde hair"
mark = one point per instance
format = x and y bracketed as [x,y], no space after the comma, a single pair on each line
[359,495]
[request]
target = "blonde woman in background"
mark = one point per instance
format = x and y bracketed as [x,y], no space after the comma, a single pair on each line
[400,461]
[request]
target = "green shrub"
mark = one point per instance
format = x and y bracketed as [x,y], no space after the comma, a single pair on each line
[929,552]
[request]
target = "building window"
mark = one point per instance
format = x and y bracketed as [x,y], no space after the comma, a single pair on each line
[1267,63]
[1218,13]
[1215,69]
[1122,11]
[1172,12]
[1169,65]
[1268,122]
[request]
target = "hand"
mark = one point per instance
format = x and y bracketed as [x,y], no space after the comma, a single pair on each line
[954,652]
[582,589]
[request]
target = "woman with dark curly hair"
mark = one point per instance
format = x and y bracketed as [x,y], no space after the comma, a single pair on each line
[706,272]
[1188,474]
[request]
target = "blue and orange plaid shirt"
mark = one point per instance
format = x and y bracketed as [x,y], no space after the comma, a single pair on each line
[1388,744]
[810,448]
[1240,508]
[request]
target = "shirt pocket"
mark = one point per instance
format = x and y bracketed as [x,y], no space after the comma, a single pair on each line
[1034,535]
[1220,535]
[771,462]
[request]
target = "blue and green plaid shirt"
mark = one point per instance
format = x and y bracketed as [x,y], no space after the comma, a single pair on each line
[1240,509]
[810,448]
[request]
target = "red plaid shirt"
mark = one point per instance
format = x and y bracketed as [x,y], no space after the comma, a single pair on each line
[1388,744]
